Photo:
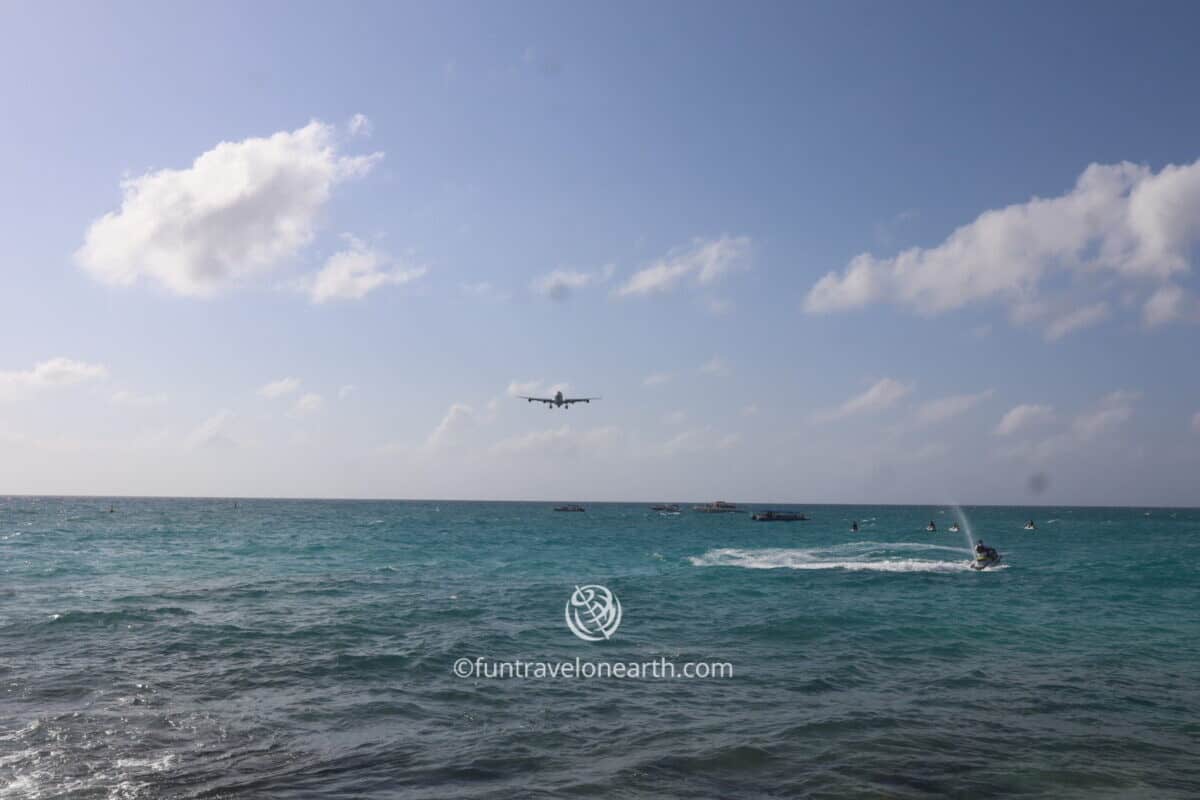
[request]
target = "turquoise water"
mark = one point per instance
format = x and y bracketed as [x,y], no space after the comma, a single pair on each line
[188,648]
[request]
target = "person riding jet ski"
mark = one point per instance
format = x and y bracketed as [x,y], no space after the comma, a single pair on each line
[931,526]
[984,556]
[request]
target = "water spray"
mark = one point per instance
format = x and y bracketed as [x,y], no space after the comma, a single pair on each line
[966,528]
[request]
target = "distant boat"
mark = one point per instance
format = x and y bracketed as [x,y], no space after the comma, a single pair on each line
[954,528]
[719,507]
[778,516]
[569,508]
[1029,526]
[668,507]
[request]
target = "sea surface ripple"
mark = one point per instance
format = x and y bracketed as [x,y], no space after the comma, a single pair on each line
[299,649]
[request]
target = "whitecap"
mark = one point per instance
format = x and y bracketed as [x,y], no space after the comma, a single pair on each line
[853,557]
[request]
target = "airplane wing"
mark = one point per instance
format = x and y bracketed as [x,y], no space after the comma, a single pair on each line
[568,400]
[549,400]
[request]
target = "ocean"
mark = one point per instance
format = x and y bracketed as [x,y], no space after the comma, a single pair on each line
[180,648]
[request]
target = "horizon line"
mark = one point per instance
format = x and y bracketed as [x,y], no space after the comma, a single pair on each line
[316,499]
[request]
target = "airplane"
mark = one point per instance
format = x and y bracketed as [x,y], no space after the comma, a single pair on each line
[558,401]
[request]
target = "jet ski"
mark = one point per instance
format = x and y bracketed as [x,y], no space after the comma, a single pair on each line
[931,527]
[954,528]
[987,557]
[1029,526]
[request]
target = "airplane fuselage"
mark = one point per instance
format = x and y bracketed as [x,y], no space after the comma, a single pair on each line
[558,401]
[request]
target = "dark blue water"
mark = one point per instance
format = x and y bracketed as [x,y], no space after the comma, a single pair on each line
[187,648]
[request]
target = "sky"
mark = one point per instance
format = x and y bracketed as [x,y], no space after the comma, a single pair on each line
[805,252]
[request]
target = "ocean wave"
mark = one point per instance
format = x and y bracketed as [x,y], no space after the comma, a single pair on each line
[118,617]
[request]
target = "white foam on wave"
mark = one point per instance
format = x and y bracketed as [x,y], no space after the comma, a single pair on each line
[854,557]
[160,764]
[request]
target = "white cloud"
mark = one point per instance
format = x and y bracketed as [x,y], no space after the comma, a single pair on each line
[558,284]
[213,432]
[306,404]
[716,366]
[353,273]
[1122,219]
[704,261]
[883,394]
[359,125]
[238,211]
[657,379]
[53,372]
[1168,303]
[1112,411]
[698,440]
[347,391]
[279,388]
[1024,416]
[945,408]
[1077,320]
[135,400]
[561,441]
[535,388]
[458,419]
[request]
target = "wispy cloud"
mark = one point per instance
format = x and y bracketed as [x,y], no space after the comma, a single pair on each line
[1092,425]
[1077,320]
[459,418]
[1022,417]
[1111,412]
[355,272]
[717,367]
[698,440]
[703,262]
[945,408]
[50,373]
[1121,219]
[279,388]
[560,283]
[883,394]
[561,441]
[1167,304]
[519,388]
[212,433]
[307,404]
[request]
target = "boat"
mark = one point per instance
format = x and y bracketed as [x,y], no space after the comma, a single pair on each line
[931,527]
[719,507]
[669,508]
[988,557]
[569,508]
[954,528]
[1029,526]
[778,516]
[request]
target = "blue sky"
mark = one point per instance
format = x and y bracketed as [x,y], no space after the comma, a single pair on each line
[839,252]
